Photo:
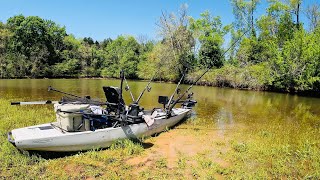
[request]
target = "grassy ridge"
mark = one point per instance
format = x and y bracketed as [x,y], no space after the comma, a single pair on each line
[282,147]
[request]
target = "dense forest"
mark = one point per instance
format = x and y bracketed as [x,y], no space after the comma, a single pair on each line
[275,51]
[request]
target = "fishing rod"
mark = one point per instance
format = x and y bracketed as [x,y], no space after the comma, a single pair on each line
[193,83]
[171,97]
[79,100]
[50,88]
[120,99]
[148,88]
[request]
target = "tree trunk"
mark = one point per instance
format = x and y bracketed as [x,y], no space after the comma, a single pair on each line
[297,13]
[252,17]
[252,28]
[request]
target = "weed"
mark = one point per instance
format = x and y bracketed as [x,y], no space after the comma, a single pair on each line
[161,163]
[127,146]
[182,162]
[240,147]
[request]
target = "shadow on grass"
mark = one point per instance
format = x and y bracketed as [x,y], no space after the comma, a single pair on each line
[56,155]
[52,155]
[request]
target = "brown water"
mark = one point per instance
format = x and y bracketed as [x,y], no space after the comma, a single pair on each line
[220,106]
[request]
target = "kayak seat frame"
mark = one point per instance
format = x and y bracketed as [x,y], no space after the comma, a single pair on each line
[163,100]
[114,100]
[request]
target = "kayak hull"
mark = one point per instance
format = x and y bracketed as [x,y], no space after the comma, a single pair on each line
[48,137]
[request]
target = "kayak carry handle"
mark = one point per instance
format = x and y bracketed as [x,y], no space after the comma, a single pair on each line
[10,139]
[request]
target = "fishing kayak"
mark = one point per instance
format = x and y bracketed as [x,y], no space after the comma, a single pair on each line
[50,137]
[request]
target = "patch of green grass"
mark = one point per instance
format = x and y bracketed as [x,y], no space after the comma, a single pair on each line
[161,163]
[240,147]
[205,162]
[127,147]
[182,161]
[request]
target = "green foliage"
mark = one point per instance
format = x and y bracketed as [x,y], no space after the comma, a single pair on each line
[278,54]
[286,29]
[122,54]
[39,41]
[159,63]
[210,55]
[210,33]
[257,77]
[243,11]
[287,54]
[66,68]
[297,69]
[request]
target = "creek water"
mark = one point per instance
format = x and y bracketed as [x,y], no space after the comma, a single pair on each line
[220,106]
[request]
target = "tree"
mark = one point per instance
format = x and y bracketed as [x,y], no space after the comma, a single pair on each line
[39,40]
[157,64]
[88,40]
[298,67]
[121,53]
[277,25]
[313,14]
[70,64]
[210,32]
[243,11]
[295,6]
[177,38]
[105,42]
[54,36]
[286,29]
[5,36]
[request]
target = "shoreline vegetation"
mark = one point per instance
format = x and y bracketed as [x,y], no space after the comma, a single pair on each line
[309,93]
[276,51]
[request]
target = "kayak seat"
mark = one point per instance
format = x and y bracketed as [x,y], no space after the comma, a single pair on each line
[114,100]
[163,100]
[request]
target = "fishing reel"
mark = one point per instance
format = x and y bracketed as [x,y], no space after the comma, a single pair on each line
[190,95]
[189,103]
[50,88]
[148,88]
[178,91]
[127,88]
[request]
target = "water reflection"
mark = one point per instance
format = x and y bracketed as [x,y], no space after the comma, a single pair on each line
[224,120]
